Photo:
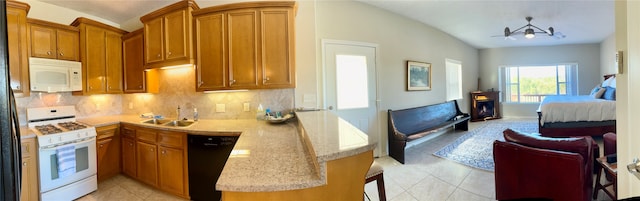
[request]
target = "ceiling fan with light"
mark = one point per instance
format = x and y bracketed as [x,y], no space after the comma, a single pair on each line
[530,31]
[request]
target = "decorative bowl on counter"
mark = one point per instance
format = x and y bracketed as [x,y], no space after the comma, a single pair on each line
[277,120]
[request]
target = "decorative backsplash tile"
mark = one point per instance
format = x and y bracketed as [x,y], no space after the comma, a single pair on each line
[177,88]
[86,106]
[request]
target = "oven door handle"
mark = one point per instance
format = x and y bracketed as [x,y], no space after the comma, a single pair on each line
[53,147]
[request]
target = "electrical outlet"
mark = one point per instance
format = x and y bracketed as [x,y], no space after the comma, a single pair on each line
[246,107]
[220,108]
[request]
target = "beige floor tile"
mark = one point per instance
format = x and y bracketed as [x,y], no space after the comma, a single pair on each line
[462,195]
[162,196]
[431,188]
[136,188]
[451,172]
[480,182]
[406,175]
[403,197]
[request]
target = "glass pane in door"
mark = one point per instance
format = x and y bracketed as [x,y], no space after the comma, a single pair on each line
[351,82]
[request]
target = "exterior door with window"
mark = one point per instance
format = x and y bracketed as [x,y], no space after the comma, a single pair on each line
[351,85]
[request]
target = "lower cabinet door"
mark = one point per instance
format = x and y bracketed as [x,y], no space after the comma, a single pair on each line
[147,163]
[171,165]
[129,157]
[29,189]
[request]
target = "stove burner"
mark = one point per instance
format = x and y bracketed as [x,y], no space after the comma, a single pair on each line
[48,129]
[71,125]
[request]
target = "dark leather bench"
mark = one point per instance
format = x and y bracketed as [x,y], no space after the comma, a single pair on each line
[413,123]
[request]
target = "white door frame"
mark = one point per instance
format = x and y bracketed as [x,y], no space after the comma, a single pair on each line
[381,148]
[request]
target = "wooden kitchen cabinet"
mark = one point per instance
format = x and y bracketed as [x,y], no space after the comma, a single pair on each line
[147,160]
[101,57]
[108,151]
[171,169]
[133,60]
[278,47]
[245,46]
[168,35]
[53,41]
[129,151]
[29,171]
[160,158]
[18,48]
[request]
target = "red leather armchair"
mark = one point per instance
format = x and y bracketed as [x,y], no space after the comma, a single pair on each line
[534,167]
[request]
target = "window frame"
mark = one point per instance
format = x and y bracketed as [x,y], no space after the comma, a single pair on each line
[571,80]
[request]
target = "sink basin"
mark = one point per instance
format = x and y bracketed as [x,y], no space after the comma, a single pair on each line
[179,123]
[156,121]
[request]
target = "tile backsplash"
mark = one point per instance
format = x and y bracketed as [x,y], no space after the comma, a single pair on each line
[177,88]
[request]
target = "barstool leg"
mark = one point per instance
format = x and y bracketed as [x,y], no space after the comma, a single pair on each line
[381,192]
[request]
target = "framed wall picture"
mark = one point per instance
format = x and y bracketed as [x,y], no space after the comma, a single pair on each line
[418,76]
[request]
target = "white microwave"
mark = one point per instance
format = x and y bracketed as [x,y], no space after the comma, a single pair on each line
[51,75]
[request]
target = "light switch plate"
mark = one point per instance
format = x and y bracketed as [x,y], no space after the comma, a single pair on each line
[220,107]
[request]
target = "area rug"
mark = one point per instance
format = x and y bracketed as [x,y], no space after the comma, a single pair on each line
[475,148]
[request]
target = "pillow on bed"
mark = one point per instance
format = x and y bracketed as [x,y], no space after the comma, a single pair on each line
[609,93]
[597,92]
[611,82]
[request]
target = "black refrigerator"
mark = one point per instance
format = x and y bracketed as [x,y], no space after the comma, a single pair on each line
[10,158]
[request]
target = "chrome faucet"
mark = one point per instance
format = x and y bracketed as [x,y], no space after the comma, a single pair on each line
[178,113]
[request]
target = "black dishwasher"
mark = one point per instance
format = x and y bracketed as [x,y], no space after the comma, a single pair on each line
[207,156]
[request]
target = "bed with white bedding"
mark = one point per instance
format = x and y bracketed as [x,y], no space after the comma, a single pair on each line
[591,115]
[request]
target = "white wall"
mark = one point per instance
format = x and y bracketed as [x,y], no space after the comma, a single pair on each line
[399,39]
[587,56]
[52,13]
[608,55]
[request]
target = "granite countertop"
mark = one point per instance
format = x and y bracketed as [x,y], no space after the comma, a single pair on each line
[272,157]
[26,133]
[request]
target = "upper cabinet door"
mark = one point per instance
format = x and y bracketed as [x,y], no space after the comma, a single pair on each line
[133,63]
[17,43]
[113,63]
[95,60]
[278,68]
[243,48]
[43,42]
[67,43]
[175,27]
[153,44]
[211,59]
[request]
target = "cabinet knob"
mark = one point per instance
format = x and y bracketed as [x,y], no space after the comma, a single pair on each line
[232,82]
[140,87]
[169,53]
[61,53]
[151,149]
[164,151]
[158,56]
[101,145]
[24,164]
[200,83]
[48,52]
[109,87]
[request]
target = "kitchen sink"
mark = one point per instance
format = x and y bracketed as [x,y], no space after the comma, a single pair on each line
[179,123]
[156,121]
[168,122]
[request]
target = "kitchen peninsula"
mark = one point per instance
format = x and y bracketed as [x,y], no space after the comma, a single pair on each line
[290,161]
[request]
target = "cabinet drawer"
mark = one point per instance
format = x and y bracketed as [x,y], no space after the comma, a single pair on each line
[129,132]
[146,135]
[171,139]
[106,131]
